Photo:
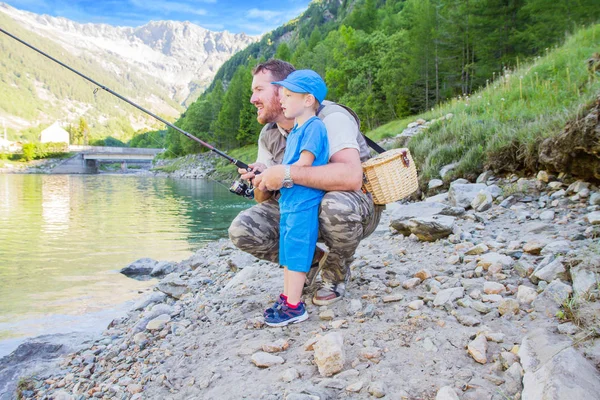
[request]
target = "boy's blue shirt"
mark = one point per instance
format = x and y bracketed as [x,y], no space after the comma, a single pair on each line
[311,136]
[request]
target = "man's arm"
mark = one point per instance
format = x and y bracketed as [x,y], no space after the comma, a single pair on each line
[344,172]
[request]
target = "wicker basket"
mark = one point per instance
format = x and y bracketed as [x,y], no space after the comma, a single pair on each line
[390,176]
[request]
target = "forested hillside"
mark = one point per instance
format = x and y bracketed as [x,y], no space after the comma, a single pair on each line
[386,59]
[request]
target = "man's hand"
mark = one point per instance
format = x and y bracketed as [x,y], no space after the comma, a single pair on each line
[271,178]
[249,175]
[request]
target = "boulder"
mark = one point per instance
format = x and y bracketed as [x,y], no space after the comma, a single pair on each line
[482,201]
[584,280]
[173,286]
[550,300]
[430,229]
[554,369]
[140,269]
[593,218]
[463,194]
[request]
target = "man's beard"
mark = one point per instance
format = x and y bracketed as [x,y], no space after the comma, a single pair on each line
[270,111]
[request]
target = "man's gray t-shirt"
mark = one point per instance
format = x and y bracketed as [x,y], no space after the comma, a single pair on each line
[343,132]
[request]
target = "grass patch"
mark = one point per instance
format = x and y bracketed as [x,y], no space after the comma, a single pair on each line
[225,171]
[501,126]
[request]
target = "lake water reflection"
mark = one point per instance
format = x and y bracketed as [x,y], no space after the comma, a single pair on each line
[63,239]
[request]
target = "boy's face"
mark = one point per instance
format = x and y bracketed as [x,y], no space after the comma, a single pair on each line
[294,104]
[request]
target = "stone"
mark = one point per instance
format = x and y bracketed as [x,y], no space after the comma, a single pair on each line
[555,270]
[481,248]
[462,195]
[513,379]
[568,328]
[173,286]
[404,212]
[447,168]
[584,280]
[241,278]
[558,195]
[329,354]
[423,274]
[266,360]
[448,296]
[355,387]
[158,322]
[526,294]
[534,247]
[492,258]
[276,346]
[432,228]
[327,315]
[595,199]
[134,388]
[554,369]
[392,298]
[416,304]
[477,349]
[482,202]
[508,202]
[163,268]
[377,389]
[593,218]
[543,176]
[435,183]
[290,374]
[446,393]
[578,186]
[553,296]
[508,307]
[154,297]
[547,215]
[411,283]
[467,320]
[493,288]
[507,359]
[556,247]
[523,268]
[139,268]
[371,353]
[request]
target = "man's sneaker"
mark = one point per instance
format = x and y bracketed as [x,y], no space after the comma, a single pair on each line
[329,293]
[316,267]
[278,303]
[285,315]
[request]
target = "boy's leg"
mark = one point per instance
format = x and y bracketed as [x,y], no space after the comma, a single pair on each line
[295,285]
[256,230]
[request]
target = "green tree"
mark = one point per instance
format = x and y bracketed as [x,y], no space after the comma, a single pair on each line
[283,52]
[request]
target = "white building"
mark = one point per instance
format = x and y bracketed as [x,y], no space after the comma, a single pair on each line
[54,133]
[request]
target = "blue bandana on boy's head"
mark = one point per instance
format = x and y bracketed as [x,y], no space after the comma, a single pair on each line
[305,81]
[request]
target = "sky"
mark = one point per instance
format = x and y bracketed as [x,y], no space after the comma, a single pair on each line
[253,17]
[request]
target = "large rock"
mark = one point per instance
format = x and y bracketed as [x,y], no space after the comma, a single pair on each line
[463,194]
[555,270]
[482,202]
[593,218]
[329,354]
[241,278]
[584,280]
[550,300]
[477,349]
[266,360]
[401,214]
[554,370]
[430,229]
[173,286]
[448,296]
[140,269]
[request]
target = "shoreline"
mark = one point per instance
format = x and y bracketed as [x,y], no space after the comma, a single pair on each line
[464,311]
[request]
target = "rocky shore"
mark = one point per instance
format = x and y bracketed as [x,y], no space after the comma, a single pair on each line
[486,291]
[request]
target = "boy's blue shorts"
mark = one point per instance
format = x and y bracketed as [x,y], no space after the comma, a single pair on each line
[298,233]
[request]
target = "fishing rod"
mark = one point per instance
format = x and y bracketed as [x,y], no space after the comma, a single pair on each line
[239,188]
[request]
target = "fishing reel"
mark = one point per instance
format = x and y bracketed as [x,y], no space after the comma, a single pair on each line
[241,188]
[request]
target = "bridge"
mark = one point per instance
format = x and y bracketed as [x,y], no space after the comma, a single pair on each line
[88,158]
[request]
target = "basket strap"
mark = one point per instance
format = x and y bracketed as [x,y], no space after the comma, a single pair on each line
[374,145]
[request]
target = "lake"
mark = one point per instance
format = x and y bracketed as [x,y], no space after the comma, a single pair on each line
[64,238]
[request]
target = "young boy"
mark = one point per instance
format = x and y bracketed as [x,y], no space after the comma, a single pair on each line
[301,94]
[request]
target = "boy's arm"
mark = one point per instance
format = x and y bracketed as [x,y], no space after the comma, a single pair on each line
[306,159]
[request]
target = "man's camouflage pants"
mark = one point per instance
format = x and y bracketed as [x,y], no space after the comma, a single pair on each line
[345,218]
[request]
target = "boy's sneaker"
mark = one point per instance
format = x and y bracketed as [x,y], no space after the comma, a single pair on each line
[285,315]
[278,303]
[316,267]
[329,293]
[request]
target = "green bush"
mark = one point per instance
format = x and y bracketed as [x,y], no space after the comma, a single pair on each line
[28,151]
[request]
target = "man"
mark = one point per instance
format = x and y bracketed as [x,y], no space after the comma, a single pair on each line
[347,215]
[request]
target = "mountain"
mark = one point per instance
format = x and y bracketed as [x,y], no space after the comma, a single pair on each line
[167,63]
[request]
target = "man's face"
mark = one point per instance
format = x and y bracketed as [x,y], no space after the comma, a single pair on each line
[265,98]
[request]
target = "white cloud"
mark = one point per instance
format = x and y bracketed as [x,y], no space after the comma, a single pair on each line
[266,15]
[169,6]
